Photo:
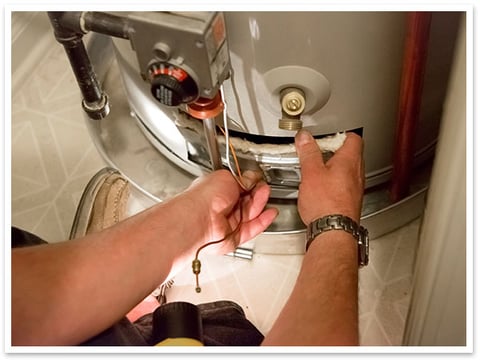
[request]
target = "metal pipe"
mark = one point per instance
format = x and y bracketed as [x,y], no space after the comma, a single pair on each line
[99,22]
[414,61]
[209,128]
[243,253]
[206,110]
[106,24]
[95,102]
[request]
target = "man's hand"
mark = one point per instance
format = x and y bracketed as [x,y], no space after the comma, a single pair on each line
[334,187]
[227,206]
[323,306]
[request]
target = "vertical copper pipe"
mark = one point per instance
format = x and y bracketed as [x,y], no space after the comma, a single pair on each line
[414,61]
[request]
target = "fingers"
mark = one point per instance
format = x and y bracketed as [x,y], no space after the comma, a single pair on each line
[310,155]
[352,149]
[250,178]
[255,218]
[254,203]
[256,226]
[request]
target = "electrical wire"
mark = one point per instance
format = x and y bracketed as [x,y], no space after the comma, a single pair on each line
[237,165]
[229,146]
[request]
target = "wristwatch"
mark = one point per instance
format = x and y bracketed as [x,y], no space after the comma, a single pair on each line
[341,222]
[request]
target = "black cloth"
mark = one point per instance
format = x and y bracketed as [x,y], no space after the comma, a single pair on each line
[22,238]
[224,322]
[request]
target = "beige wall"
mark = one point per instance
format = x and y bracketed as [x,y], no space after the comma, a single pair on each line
[438,308]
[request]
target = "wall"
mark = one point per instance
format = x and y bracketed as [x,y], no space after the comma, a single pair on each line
[438,308]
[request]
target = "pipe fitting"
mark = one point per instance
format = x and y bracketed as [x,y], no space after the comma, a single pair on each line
[293,101]
[293,104]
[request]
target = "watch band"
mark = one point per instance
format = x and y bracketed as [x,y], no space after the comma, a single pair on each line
[341,222]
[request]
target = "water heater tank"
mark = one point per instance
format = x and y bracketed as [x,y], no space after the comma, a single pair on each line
[348,65]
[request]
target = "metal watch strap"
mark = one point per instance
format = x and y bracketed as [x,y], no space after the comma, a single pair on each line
[341,222]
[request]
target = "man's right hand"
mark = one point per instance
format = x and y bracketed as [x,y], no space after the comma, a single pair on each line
[334,187]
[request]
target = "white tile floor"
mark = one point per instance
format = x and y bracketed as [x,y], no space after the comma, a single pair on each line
[53,158]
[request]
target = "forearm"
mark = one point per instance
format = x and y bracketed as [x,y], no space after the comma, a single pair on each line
[65,293]
[322,309]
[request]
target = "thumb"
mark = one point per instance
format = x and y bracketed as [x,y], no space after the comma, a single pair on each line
[250,178]
[309,154]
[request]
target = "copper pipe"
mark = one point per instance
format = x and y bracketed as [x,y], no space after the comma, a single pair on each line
[414,62]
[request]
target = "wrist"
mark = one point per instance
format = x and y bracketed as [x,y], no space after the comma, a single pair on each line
[341,225]
[175,226]
[334,243]
[193,218]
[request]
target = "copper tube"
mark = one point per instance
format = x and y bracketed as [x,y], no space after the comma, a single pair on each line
[414,62]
